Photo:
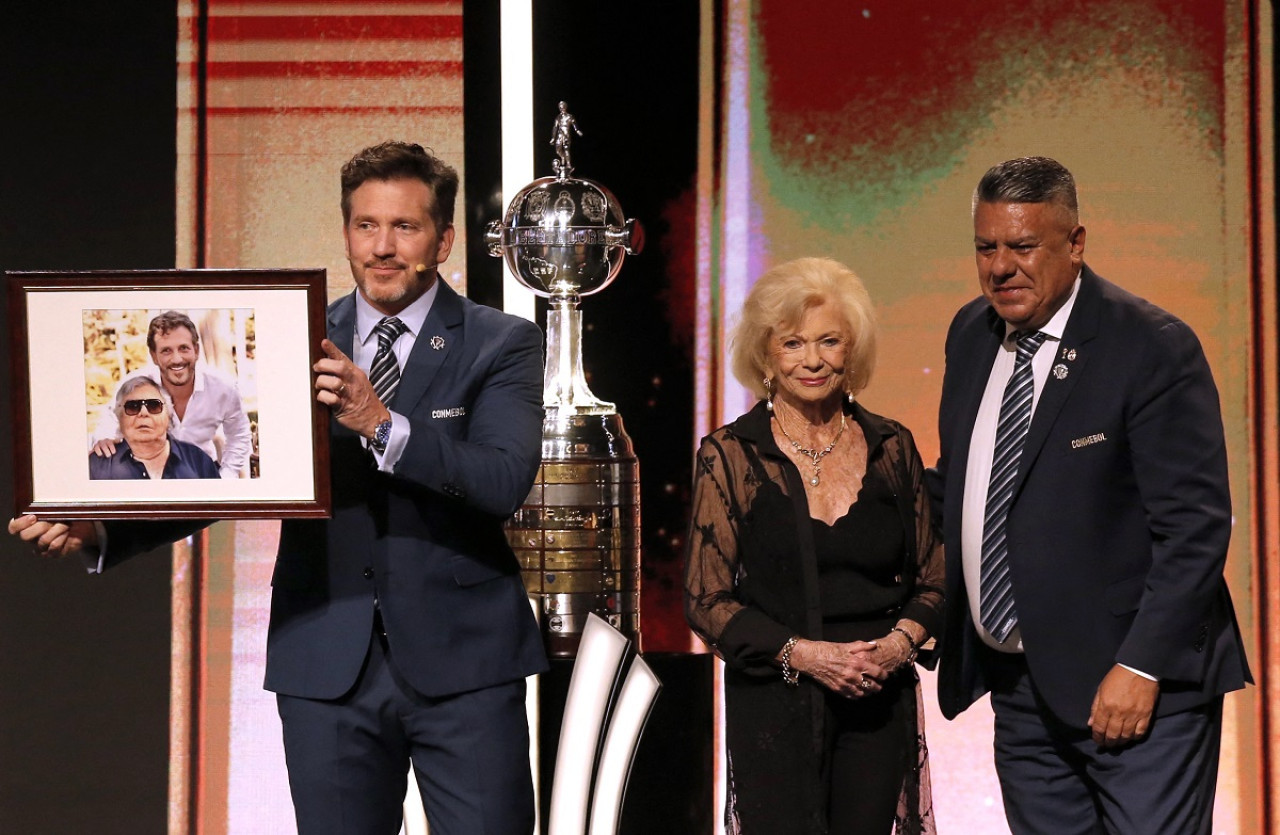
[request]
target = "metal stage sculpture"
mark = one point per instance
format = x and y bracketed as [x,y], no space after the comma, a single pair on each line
[604,716]
[578,535]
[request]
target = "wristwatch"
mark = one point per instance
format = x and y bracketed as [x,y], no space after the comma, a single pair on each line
[381,435]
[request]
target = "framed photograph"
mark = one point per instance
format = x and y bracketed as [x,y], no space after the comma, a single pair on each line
[168,394]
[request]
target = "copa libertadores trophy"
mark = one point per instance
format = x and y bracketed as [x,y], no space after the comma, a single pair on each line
[578,535]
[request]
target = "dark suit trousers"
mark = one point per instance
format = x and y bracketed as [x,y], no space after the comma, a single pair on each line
[1054,778]
[348,758]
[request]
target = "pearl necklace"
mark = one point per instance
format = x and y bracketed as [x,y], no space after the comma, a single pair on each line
[814,456]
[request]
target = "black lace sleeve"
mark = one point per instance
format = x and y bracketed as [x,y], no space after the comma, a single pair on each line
[925,606]
[711,562]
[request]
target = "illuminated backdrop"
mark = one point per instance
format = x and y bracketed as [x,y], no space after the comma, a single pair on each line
[859,130]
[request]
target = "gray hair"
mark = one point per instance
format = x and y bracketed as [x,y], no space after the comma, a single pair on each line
[131,385]
[1029,180]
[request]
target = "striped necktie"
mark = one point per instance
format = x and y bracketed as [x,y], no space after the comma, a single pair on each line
[384,373]
[999,615]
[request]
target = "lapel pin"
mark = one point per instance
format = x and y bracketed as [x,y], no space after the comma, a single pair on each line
[437,343]
[1069,354]
[1060,371]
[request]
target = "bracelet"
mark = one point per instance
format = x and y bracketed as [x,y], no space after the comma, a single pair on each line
[915,650]
[790,676]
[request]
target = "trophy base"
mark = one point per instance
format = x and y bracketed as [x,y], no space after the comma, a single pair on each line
[577,537]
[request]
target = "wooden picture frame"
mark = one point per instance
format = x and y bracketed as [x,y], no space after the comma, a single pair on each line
[78,336]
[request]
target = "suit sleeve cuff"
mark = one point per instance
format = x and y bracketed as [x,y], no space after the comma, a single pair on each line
[1147,676]
[398,440]
[94,563]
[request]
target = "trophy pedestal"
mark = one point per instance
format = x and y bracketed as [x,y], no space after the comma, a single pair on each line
[578,535]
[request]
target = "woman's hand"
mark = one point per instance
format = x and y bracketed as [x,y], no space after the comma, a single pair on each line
[848,669]
[893,652]
[897,649]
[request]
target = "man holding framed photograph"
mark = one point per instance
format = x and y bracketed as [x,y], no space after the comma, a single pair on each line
[400,630]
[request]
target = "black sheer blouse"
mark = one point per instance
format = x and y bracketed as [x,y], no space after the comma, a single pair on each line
[752,578]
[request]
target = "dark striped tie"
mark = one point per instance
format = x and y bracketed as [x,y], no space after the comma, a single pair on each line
[384,373]
[999,616]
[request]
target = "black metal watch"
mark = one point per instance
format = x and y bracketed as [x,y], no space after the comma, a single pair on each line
[381,435]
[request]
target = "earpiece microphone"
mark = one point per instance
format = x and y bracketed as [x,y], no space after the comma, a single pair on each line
[422,268]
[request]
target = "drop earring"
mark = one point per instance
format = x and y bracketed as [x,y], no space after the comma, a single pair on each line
[768,394]
[849,396]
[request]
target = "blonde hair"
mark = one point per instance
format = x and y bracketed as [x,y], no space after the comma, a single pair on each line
[778,301]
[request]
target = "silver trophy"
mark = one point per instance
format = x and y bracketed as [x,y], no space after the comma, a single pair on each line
[578,535]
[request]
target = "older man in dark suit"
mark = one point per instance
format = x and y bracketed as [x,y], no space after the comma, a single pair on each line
[1082,485]
[400,630]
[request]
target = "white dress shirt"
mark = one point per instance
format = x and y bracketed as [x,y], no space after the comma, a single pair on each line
[982,446]
[365,348]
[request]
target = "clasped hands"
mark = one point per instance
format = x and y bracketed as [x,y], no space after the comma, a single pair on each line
[854,669]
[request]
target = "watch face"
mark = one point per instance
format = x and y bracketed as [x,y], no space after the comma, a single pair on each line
[382,434]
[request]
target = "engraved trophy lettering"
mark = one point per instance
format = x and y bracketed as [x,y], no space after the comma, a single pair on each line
[578,535]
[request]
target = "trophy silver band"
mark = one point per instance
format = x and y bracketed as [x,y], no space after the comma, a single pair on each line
[578,535]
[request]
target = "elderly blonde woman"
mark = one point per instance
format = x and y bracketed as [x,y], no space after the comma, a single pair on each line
[813,570]
[145,413]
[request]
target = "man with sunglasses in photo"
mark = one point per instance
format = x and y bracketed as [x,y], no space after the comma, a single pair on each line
[204,401]
[149,451]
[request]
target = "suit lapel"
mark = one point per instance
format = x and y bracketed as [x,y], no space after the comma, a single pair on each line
[342,323]
[439,338]
[1081,328]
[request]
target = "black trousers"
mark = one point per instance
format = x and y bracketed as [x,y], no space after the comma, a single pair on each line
[349,758]
[870,751]
[1054,778]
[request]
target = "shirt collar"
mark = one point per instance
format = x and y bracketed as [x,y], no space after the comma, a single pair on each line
[414,316]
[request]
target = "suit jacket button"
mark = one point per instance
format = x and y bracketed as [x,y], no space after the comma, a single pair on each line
[368,573]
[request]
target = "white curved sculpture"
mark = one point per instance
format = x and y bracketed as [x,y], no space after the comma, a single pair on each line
[630,713]
[595,675]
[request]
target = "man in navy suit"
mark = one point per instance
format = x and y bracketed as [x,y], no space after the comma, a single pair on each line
[400,630]
[1082,486]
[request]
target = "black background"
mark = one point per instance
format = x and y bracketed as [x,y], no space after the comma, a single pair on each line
[87,104]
